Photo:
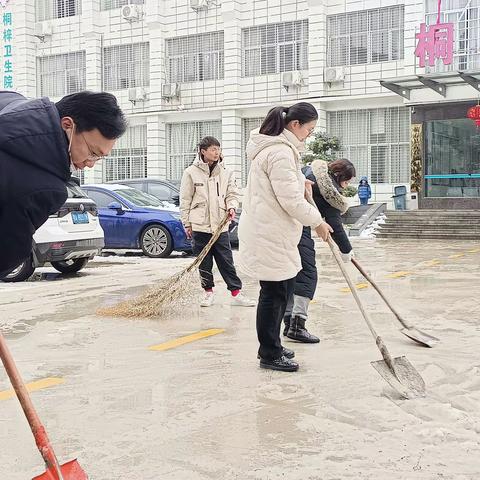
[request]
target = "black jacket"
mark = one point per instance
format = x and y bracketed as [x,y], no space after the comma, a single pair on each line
[306,279]
[34,167]
[330,213]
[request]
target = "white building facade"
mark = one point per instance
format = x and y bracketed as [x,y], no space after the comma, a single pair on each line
[182,69]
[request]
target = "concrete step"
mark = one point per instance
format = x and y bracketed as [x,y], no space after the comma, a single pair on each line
[440,236]
[432,226]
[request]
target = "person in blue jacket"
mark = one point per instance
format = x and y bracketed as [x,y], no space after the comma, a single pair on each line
[364,191]
[40,143]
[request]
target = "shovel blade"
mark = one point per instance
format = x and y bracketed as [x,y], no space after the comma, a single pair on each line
[420,337]
[404,378]
[70,471]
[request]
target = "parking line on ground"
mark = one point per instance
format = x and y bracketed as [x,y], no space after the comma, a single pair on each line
[358,286]
[34,386]
[457,255]
[432,263]
[177,342]
[399,274]
[475,250]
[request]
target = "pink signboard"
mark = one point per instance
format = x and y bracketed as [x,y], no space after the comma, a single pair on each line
[435,42]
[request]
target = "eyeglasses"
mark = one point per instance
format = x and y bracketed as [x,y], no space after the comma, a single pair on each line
[309,130]
[93,156]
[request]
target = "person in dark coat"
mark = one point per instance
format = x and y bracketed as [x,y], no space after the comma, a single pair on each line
[40,143]
[329,179]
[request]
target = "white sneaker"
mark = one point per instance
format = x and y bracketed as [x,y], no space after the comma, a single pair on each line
[242,301]
[208,300]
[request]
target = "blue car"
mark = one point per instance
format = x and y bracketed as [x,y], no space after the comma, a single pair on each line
[131,218]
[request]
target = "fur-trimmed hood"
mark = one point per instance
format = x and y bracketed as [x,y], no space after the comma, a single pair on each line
[327,187]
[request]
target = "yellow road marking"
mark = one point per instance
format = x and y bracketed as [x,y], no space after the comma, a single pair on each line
[432,263]
[358,286]
[177,342]
[399,274]
[457,255]
[475,250]
[34,386]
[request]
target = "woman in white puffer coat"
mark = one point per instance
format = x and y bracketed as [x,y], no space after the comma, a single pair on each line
[274,212]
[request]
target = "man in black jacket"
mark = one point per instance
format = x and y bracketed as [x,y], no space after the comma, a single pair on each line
[40,143]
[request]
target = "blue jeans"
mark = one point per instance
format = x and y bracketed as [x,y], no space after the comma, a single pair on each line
[363,201]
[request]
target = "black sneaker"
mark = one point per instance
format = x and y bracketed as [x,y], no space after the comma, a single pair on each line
[286,352]
[282,364]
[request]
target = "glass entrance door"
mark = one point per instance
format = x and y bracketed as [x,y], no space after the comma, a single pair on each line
[452,158]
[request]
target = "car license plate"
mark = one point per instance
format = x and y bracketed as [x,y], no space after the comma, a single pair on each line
[80,217]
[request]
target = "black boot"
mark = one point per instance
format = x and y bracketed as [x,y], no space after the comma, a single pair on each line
[298,332]
[282,364]
[287,321]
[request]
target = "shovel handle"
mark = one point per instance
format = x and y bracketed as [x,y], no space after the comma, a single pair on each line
[382,295]
[378,340]
[41,438]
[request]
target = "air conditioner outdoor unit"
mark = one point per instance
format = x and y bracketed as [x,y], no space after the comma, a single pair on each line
[170,90]
[292,79]
[199,4]
[137,94]
[43,30]
[132,12]
[334,75]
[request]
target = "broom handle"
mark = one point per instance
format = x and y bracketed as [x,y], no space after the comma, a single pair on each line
[384,298]
[41,438]
[209,245]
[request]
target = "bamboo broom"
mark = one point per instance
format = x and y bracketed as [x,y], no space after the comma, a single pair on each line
[161,299]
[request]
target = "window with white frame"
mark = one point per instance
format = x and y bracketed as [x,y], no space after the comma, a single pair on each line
[59,75]
[248,124]
[182,142]
[129,157]
[376,141]
[126,66]
[366,36]
[195,58]
[465,15]
[111,4]
[275,48]
[50,9]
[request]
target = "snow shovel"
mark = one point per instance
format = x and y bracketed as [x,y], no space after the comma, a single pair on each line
[399,373]
[70,470]
[408,329]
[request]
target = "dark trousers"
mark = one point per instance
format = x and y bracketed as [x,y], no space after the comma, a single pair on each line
[272,303]
[221,251]
[363,201]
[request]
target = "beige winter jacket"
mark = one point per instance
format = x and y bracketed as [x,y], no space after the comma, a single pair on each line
[206,198]
[274,208]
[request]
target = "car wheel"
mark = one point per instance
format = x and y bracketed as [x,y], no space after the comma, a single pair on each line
[21,273]
[70,266]
[156,242]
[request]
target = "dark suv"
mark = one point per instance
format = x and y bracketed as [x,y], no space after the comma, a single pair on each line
[167,191]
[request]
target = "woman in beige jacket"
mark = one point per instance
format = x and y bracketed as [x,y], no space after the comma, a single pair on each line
[274,211]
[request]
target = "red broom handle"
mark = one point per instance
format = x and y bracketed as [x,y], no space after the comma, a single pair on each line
[41,438]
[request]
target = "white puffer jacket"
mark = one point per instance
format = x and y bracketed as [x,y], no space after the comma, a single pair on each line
[206,197]
[274,208]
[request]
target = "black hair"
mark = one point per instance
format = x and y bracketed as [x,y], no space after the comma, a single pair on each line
[91,110]
[279,117]
[207,142]
[342,169]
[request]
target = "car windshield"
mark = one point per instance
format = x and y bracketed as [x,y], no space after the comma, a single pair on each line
[74,191]
[139,198]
